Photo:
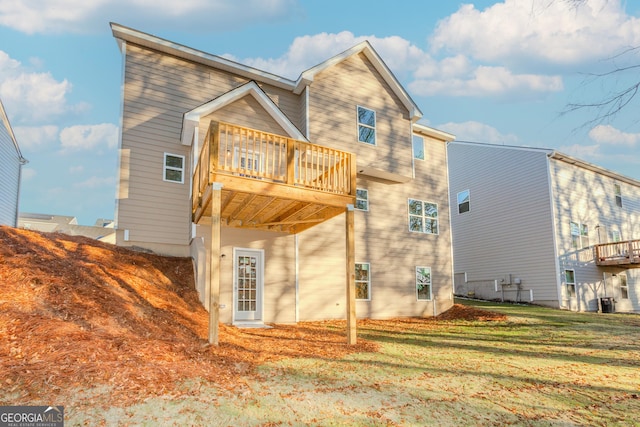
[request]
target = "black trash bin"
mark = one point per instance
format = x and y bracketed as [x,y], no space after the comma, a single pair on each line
[606,305]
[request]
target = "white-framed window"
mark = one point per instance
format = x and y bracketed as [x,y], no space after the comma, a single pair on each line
[618,194]
[579,235]
[363,281]
[173,168]
[464,202]
[423,217]
[366,125]
[624,286]
[362,199]
[616,236]
[418,147]
[570,283]
[423,283]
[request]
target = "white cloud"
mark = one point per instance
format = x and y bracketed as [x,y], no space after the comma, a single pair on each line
[478,132]
[607,134]
[487,81]
[89,137]
[32,96]
[96,182]
[32,138]
[583,152]
[28,173]
[76,169]
[77,16]
[538,31]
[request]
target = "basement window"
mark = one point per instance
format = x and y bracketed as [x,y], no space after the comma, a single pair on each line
[423,283]
[363,281]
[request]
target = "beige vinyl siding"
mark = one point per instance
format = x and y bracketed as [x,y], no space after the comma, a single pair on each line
[587,197]
[334,95]
[158,90]
[9,178]
[384,241]
[509,228]
[279,270]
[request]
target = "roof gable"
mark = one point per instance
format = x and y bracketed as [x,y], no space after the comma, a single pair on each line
[192,118]
[306,78]
[5,120]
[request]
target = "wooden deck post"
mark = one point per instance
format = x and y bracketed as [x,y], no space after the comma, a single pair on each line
[351,275]
[214,273]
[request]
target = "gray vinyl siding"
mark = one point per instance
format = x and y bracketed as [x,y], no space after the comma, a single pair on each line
[588,197]
[9,178]
[384,241]
[334,96]
[158,90]
[509,228]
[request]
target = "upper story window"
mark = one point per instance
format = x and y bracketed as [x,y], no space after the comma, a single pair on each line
[423,283]
[615,236]
[173,168]
[362,199]
[463,202]
[579,235]
[423,217]
[618,194]
[363,281]
[418,147]
[366,125]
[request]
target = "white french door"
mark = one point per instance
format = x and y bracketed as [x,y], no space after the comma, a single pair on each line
[248,283]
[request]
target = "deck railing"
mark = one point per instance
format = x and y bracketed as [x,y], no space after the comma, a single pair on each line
[618,253]
[250,153]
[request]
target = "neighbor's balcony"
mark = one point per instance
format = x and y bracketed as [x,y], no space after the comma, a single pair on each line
[622,254]
[257,162]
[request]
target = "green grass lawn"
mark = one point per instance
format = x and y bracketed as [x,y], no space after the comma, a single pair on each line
[540,367]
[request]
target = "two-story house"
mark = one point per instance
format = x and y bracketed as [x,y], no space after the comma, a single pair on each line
[536,225]
[11,162]
[314,198]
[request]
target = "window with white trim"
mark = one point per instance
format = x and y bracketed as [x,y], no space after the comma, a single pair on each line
[363,281]
[423,283]
[624,286]
[362,199]
[579,235]
[618,194]
[570,283]
[616,236]
[423,217]
[418,147]
[173,168]
[463,202]
[366,125]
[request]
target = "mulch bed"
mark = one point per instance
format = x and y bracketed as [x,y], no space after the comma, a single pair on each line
[76,313]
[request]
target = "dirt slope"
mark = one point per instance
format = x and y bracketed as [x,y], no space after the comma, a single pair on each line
[76,313]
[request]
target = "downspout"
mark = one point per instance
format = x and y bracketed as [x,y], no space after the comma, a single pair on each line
[23,162]
[554,230]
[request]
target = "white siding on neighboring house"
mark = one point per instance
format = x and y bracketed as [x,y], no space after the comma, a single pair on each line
[11,161]
[508,231]
[588,198]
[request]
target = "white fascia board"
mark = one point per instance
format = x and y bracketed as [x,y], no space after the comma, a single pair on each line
[192,118]
[123,33]
[556,155]
[306,78]
[433,132]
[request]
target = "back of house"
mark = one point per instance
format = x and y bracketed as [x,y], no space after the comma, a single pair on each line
[530,221]
[283,190]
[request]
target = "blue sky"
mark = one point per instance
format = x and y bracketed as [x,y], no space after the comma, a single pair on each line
[497,72]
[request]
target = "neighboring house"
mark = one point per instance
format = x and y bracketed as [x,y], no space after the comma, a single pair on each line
[301,188]
[11,162]
[536,225]
[102,230]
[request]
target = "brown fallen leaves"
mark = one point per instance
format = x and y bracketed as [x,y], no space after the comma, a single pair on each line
[76,313]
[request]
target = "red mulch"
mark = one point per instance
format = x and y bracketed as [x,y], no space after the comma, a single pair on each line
[77,313]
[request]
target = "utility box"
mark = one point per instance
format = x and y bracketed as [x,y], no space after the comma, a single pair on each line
[607,305]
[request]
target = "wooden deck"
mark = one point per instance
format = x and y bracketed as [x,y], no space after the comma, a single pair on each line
[619,254]
[269,181]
